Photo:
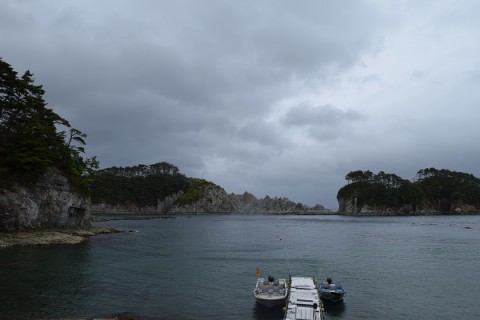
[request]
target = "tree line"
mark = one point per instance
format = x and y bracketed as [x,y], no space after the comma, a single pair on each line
[431,189]
[139,185]
[33,137]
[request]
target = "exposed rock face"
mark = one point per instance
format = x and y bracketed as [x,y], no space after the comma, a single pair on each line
[461,208]
[216,201]
[351,207]
[51,202]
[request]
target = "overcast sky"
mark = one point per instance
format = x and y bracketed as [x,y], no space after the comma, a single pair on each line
[279,98]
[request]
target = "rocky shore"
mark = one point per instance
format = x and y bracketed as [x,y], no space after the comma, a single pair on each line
[51,236]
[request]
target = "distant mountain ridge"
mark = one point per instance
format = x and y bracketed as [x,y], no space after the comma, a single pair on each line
[161,188]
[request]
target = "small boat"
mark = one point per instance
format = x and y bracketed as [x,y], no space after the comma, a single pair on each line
[331,291]
[303,302]
[271,292]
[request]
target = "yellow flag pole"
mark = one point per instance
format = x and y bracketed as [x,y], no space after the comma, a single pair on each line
[258,272]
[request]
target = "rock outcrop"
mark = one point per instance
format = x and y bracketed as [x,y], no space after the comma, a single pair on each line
[51,236]
[216,201]
[50,202]
[351,206]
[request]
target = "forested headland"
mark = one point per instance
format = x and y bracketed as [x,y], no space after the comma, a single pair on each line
[44,178]
[144,185]
[161,188]
[433,191]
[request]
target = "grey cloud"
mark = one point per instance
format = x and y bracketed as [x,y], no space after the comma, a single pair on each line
[325,115]
[264,133]
[370,78]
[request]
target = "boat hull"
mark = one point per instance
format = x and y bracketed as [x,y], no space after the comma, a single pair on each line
[270,303]
[331,292]
[331,297]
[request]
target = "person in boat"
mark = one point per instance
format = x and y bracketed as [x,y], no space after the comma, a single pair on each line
[326,284]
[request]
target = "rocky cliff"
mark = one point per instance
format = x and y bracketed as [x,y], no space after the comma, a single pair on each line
[351,206]
[216,201]
[50,202]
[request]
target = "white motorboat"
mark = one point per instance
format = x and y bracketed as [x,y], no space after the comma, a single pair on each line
[303,301]
[271,292]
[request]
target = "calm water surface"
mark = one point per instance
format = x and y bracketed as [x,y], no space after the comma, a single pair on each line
[203,267]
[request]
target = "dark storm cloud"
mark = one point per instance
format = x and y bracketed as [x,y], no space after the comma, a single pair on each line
[274,97]
[219,65]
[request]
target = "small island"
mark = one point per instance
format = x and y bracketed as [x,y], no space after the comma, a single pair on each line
[432,192]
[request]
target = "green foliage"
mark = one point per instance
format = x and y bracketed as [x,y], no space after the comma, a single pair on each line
[29,140]
[141,185]
[195,191]
[444,187]
[437,189]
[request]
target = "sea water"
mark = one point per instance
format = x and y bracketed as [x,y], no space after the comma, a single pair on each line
[203,267]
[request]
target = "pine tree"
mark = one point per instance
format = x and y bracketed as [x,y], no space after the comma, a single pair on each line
[29,139]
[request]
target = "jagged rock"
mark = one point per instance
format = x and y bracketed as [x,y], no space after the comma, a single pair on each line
[51,202]
[216,201]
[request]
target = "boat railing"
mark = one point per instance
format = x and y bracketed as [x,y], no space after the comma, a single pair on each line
[274,287]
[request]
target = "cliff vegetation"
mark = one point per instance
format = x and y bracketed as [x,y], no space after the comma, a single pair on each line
[42,170]
[161,188]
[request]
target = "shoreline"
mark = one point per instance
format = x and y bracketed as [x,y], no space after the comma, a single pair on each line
[40,237]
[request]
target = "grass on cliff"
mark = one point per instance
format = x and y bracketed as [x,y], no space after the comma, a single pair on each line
[194,191]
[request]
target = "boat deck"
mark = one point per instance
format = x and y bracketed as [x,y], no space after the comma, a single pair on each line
[271,293]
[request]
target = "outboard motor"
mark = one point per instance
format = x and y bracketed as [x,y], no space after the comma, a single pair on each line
[271,279]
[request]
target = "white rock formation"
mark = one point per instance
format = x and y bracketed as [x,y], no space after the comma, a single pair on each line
[51,202]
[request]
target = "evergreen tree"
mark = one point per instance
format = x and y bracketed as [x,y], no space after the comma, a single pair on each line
[29,140]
